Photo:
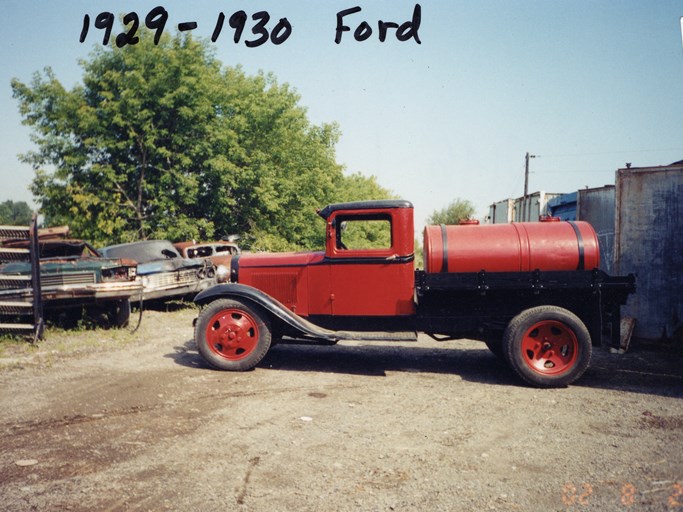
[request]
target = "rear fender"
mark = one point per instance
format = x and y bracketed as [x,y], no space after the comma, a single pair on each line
[277,311]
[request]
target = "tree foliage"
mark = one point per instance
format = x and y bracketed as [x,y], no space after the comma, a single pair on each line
[15,213]
[457,210]
[163,141]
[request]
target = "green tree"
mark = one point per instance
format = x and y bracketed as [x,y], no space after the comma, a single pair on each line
[163,141]
[15,213]
[457,210]
[357,187]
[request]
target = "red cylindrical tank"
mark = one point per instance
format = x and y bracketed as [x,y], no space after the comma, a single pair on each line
[515,247]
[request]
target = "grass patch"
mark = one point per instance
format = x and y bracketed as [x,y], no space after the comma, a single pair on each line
[58,343]
[85,338]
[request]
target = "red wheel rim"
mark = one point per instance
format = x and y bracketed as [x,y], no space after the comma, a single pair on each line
[232,334]
[550,348]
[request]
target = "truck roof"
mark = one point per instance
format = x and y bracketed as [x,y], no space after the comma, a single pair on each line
[380,204]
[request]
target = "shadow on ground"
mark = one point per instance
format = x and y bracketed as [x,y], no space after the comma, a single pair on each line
[639,371]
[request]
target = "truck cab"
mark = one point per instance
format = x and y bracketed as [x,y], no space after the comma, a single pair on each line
[366,268]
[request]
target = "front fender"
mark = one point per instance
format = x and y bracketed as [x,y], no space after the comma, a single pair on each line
[278,311]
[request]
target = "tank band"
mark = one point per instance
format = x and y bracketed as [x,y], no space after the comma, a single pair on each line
[579,240]
[444,242]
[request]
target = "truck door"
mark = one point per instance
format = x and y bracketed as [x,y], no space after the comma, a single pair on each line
[370,273]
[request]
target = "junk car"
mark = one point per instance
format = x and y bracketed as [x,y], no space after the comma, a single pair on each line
[219,252]
[74,277]
[162,271]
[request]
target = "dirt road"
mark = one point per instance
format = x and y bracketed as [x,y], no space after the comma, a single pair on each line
[145,425]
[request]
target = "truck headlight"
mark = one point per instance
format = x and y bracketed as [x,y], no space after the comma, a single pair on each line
[222,274]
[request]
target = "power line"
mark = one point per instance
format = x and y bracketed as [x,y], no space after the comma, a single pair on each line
[575,171]
[593,153]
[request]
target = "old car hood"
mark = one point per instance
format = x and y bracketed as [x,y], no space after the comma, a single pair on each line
[170,265]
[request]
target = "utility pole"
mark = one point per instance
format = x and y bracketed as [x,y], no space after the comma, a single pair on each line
[525,213]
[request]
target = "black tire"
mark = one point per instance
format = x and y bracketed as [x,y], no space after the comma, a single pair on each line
[495,345]
[232,335]
[120,313]
[547,346]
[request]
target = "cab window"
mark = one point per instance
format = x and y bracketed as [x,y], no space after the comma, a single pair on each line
[363,232]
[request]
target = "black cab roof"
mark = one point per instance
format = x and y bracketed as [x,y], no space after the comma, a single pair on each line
[381,204]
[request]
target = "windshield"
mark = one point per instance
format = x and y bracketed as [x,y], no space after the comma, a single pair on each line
[65,249]
[143,252]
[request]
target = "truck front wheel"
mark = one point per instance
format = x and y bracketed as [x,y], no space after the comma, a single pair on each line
[547,346]
[231,335]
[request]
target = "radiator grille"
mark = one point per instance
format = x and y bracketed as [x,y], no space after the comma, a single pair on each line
[180,277]
[67,279]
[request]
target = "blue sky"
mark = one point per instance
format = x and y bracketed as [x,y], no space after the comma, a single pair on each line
[585,85]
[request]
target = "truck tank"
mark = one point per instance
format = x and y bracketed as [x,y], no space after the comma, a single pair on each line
[516,247]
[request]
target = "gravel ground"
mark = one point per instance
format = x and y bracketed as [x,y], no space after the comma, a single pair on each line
[143,424]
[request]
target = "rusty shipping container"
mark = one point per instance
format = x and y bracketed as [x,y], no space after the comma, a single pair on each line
[649,217]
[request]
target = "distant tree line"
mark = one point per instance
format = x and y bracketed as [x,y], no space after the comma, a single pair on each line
[456,211]
[17,213]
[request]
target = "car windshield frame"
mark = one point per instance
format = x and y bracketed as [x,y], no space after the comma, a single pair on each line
[143,252]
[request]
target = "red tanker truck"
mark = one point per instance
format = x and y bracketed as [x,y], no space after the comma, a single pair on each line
[531,291]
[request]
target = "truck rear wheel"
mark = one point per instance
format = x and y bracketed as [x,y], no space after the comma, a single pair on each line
[231,335]
[495,345]
[547,346]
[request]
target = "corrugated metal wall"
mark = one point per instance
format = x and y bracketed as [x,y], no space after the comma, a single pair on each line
[502,212]
[649,242]
[520,210]
[596,206]
[531,208]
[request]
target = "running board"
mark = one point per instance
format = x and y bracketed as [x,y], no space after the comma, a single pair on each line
[332,337]
[376,336]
